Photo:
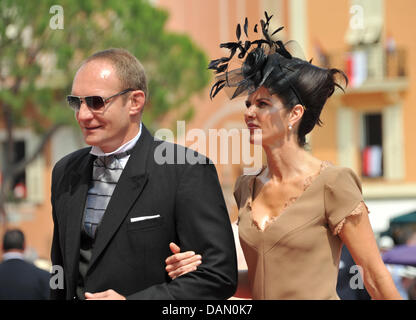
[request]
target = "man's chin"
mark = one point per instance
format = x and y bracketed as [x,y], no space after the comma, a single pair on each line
[92,141]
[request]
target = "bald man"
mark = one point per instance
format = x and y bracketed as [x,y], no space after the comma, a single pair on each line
[116,207]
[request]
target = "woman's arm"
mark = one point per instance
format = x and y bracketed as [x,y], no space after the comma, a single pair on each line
[358,236]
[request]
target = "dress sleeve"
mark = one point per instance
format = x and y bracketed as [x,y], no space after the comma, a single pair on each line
[343,198]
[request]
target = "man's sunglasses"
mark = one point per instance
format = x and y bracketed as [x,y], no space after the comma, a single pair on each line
[94,103]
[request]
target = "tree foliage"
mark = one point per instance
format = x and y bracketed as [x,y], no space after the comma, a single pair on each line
[38,62]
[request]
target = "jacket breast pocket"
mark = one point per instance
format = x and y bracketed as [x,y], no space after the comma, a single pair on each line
[144,236]
[144,222]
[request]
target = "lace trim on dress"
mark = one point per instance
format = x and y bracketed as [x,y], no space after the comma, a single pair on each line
[268,221]
[308,181]
[361,207]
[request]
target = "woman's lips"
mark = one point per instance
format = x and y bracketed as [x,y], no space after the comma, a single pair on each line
[252,127]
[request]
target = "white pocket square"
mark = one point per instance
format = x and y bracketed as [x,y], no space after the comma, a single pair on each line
[144,218]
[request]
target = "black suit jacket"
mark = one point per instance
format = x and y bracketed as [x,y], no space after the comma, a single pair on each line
[21,280]
[129,257]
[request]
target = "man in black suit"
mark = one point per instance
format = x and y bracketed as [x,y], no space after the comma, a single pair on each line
[118,205]
[20,280]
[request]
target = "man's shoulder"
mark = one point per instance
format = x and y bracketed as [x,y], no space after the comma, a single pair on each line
[72,158]
[15,265]
[23,267]
[172,153]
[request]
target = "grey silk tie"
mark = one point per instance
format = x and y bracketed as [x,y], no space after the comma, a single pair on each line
[105,175]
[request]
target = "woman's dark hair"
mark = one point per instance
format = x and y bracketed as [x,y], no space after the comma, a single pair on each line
[271,65]
[309,86]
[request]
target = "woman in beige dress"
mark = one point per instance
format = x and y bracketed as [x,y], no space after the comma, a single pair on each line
[294,215]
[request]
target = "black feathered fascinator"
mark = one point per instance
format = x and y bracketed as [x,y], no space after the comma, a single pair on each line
[267,64]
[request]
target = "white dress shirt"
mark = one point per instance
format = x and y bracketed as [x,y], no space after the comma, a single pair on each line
[96,151]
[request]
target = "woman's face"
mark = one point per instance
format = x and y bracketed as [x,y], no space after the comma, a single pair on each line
[267,113]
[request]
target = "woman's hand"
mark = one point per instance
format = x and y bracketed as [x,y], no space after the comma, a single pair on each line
[181,263]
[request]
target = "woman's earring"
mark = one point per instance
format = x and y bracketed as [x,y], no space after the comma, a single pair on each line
[290,127]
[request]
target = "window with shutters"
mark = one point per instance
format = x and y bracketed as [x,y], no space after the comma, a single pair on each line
[372,145]
[18,185]
[27,186]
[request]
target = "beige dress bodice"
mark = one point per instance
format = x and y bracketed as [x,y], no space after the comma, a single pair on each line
[297,255]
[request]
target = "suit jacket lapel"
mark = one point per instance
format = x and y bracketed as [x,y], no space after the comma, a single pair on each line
[129,187]
[79,183]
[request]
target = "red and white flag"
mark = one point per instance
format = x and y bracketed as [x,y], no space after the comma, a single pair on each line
[372,161]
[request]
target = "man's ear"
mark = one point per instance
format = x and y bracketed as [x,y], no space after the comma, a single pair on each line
[138,100]
[296,114]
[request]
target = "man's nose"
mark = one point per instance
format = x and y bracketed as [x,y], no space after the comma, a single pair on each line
[84,112]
